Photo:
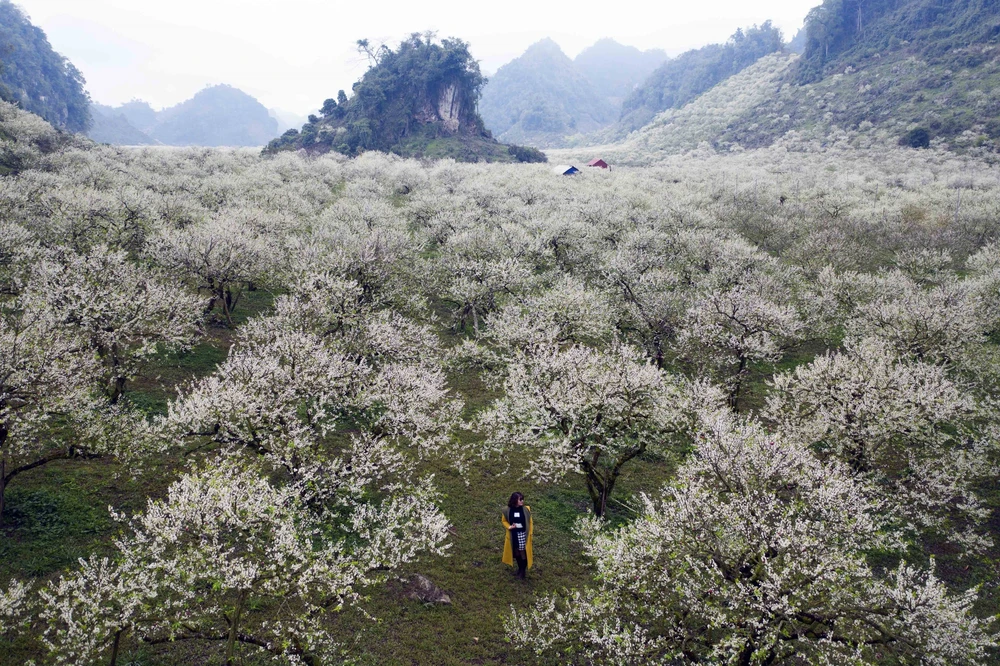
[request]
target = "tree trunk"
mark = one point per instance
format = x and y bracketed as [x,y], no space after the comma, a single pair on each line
[233,627]
[746,654]
[3,483]
[114,648]
[599,488]
[117,389]
[734,395]
[600,485]
[117,381]
[3,466]
[595,484]
[5,476]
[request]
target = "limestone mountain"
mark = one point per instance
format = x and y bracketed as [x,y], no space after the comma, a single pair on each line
[216,116]
[112,126]
[35,77]
[287,120]
[542,97]
[139,114]
[615,70]
[872,73]
[416,101]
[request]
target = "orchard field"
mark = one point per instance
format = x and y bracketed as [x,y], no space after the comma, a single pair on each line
[752,400]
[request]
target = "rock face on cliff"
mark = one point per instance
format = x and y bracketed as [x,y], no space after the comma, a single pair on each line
[417,101]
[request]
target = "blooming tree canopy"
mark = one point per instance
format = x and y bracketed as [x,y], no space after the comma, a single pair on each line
[873,409]
[122,311]
[577,409]
[222,257]
[225,543]
[317,374]
[754,555]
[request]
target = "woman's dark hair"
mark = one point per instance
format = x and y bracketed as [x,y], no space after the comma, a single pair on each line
[512,502]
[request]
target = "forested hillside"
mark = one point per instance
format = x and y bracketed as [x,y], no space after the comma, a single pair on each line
[542,97]
[907,72]
[113,127]
[418,100]
[912,71]
[678,81]
[139,114]
[701,125]
[216,116]
[37,78]
[841,32]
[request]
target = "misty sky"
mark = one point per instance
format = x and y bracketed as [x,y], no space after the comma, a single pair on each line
[293,54]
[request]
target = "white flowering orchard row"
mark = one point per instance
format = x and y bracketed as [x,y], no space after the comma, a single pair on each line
[811,336]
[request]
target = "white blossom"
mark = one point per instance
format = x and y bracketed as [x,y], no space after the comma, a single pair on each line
[14,602]
[874,410]
[582,410]
[124,313]
[226,542]
[755,555]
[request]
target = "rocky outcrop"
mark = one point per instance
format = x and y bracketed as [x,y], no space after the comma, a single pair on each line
[420,588]
[449,108]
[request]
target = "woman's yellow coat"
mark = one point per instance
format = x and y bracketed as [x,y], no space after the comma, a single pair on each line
[508,551]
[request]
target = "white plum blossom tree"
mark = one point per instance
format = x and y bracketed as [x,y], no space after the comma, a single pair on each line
[226,543]
[755,555]
[897,422]
[123,312]
[985,269]
[727,331]
[478,269]
[14,604]
[933,323]
[222,257]
[582,410]
[51,402]
[45,375]
[19,250]
[317,373]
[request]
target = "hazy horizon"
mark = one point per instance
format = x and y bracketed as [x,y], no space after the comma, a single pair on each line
[164,53]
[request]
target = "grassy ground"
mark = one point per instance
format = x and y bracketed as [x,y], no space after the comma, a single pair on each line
[58,513]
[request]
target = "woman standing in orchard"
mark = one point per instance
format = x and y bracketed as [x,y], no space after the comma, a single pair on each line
[516,520]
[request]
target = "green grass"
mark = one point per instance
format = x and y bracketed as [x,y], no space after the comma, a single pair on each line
[49,527]
[168,370]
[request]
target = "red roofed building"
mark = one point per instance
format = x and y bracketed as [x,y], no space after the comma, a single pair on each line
[598,163]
